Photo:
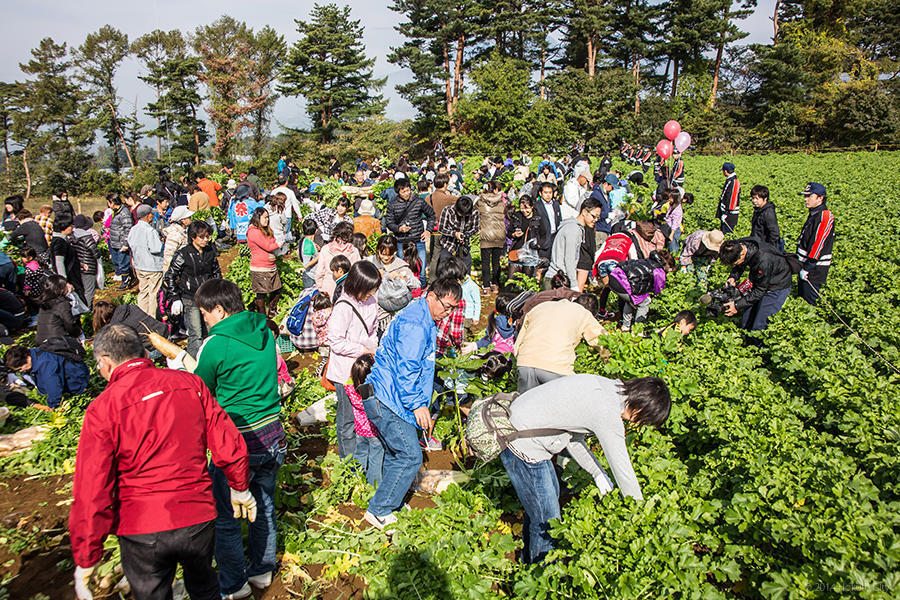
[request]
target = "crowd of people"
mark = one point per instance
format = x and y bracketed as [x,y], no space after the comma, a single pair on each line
[388,289]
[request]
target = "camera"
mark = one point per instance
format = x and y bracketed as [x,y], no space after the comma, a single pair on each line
[716,300]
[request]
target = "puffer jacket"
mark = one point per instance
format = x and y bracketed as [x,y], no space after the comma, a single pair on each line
[86,249]
[55,319]
[62,211]
[410,212]
[119,228]
[176,239]
[189,269]
[640,273]
[492,230]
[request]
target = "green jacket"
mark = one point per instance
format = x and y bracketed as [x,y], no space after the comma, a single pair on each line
[237,362]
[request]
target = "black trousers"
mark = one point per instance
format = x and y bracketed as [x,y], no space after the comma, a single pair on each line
[149,561]
[808,289]
[490,266]
[729,222]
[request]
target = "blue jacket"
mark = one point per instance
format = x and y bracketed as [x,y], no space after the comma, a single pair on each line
[602,224]
[403,373]
[239,213]
[54,374]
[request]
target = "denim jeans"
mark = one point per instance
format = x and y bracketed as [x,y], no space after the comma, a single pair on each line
[233,569]
[121,261]
[537,487]
[402,457]
[423,260]
[369,454]
[675,242]
[343,421]
[196,327]
[757,316]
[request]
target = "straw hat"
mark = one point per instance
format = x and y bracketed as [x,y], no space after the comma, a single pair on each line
[713,239]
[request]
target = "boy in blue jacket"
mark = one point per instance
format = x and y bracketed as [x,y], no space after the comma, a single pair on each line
[53,374]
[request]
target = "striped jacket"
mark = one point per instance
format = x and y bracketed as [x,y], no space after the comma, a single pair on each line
[729,203]
[816,238]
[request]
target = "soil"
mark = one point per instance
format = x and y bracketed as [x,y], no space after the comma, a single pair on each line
[39,510]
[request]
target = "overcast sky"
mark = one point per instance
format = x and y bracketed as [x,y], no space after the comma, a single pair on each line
[26,22]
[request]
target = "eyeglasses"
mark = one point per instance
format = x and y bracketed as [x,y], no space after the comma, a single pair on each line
[594,216]
[453,304]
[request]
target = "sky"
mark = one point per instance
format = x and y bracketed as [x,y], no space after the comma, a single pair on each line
[26,22]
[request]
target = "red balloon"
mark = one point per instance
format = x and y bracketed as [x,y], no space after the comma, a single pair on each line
[664,149]
[672,129]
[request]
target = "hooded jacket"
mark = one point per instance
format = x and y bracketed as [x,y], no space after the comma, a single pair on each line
[768,271]
[86,249]
[119,228]
[237,363]
[55,319]
[492,230]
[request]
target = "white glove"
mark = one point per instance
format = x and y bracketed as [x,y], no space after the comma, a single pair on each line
[176,307]
[244,505]
[177,363]
[603,483]
[82,577]
[803,274]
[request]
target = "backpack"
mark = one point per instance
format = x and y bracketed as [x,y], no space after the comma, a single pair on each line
[488,430]
[297,316]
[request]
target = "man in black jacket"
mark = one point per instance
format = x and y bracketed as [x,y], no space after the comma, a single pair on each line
[764,223]
[550,212]
[815,244]
[403,217]
[769,273]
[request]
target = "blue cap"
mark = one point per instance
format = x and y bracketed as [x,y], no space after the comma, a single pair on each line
[813,188]
[728,167]
[611,180]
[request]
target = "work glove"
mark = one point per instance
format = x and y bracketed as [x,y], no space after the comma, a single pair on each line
[244,505]
[176,307]
[82,577]
[804,275]
[603,483]
[177,363]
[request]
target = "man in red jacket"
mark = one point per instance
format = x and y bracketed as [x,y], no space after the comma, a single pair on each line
[141,472]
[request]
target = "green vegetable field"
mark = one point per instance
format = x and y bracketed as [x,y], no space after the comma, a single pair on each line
[776,475]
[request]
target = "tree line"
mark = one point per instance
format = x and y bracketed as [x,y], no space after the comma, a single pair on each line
[487,76]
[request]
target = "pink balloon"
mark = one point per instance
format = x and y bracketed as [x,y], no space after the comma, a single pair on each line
[664,149]
[682,141]
[672,129]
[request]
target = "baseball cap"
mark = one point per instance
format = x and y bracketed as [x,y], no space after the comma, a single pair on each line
[243,191]
[142,211]
[181,212]
[728,167]
[611,180]
[813,188]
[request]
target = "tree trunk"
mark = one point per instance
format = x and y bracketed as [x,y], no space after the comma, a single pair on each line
[158,127]
[716,68]
[447,85]
[115,121]
[591,55]
[457,79]
[636,71]
[27,173]
[6,157]
[775,20]
[674,77]
[543,66]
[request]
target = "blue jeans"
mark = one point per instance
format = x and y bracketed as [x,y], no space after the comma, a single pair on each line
[675,242]
[423,260]
[537,487]
[121,261]
[402,457]
[370,455]
[343,421]
[196,326]
[757,316]
[233,569]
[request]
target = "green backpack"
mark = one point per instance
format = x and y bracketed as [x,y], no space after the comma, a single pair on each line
[488,430]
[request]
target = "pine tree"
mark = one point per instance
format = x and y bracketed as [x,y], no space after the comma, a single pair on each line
[632,40]
[328,67]
[50,124]
[225,48]
[174,74]
[728,32]
[98,58]
[268,59]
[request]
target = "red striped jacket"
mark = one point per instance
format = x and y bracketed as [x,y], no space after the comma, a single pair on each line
[816,238]
[731,196]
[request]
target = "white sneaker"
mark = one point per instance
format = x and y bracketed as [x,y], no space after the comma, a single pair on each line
[117,278]
[381,522]
[262,581]
[244,592]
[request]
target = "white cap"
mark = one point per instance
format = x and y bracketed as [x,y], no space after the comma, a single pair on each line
[181,212]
